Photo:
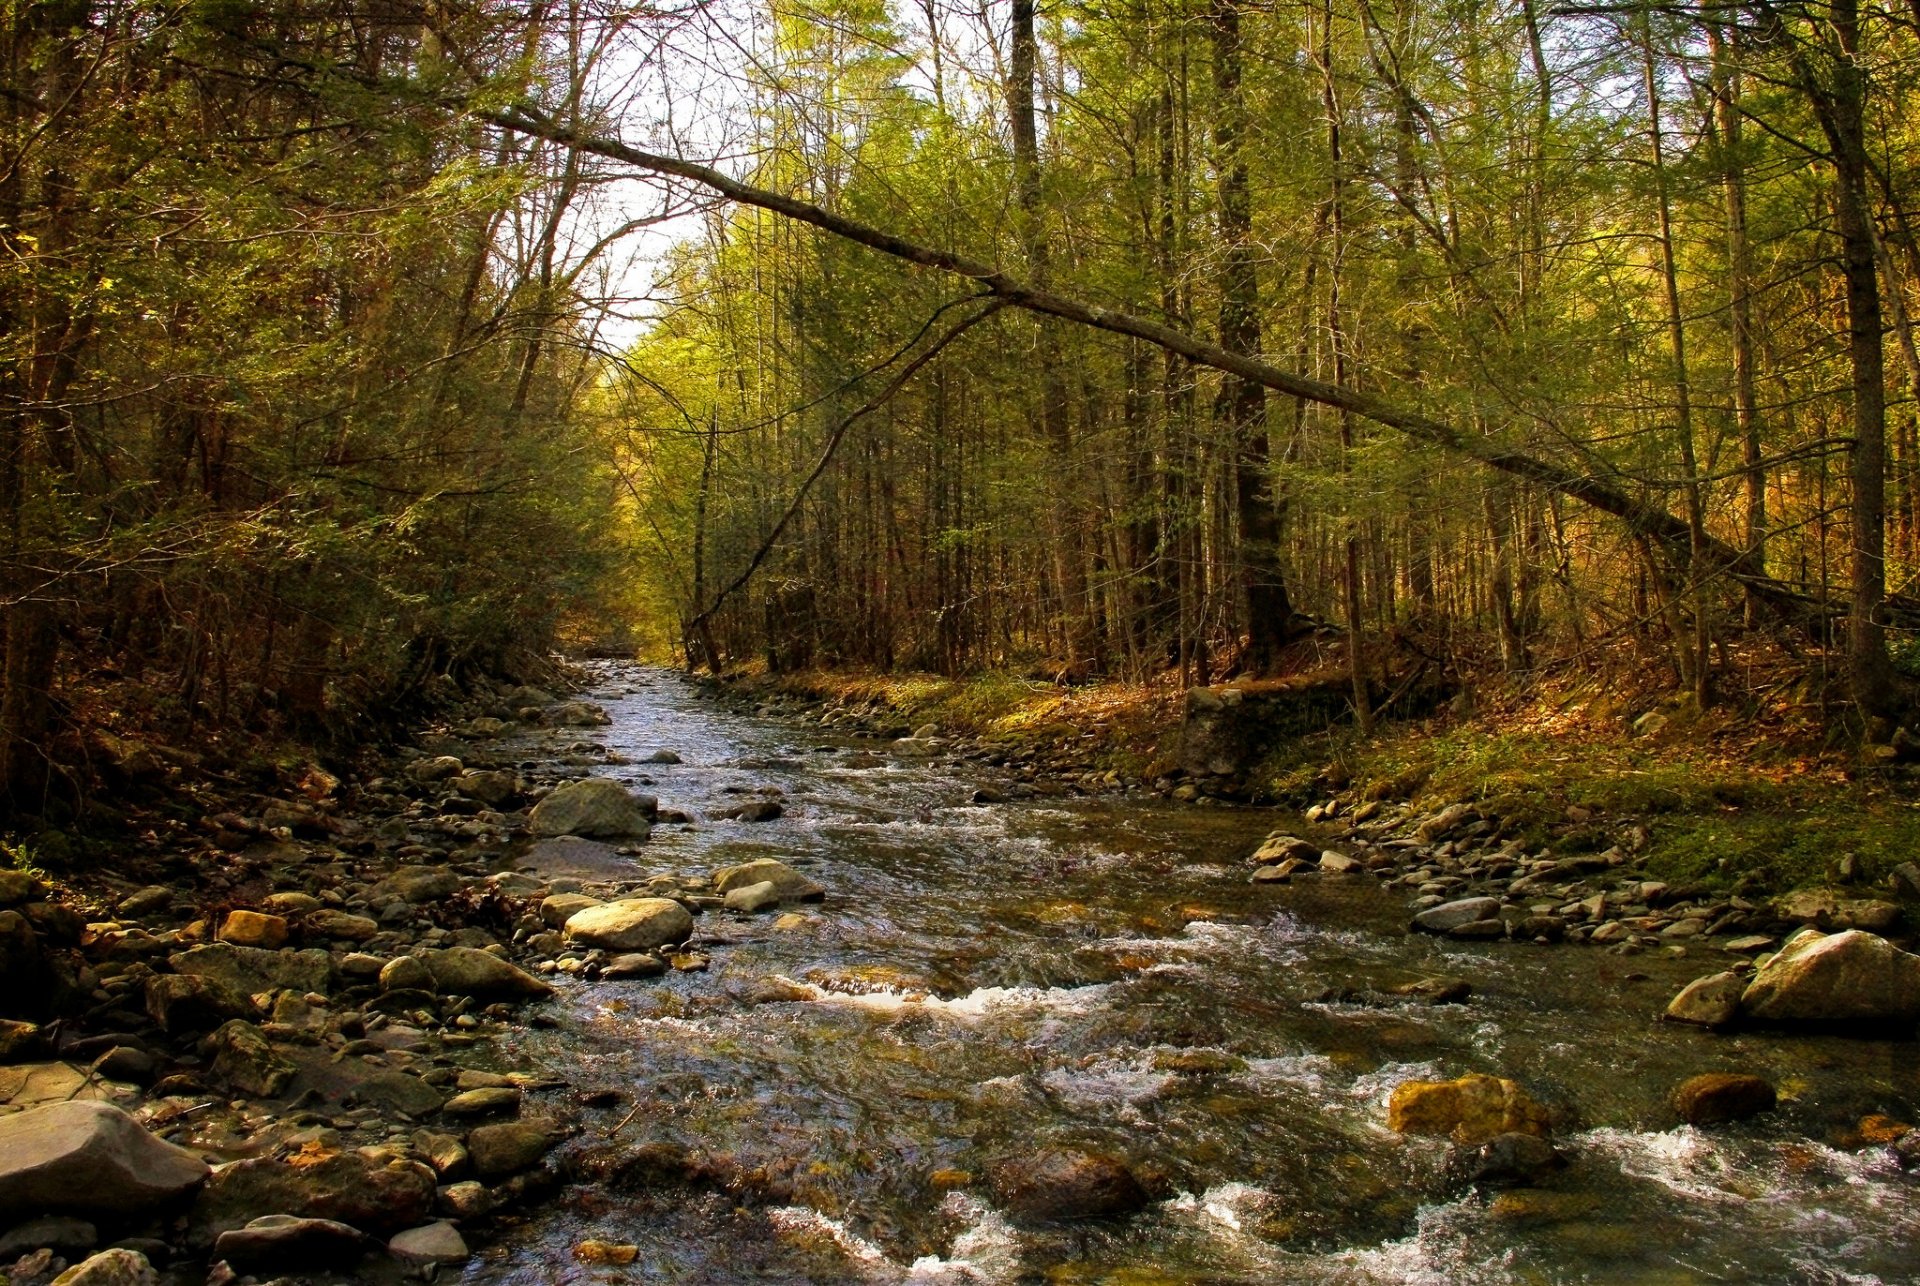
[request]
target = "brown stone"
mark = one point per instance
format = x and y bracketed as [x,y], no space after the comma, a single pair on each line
[1721,1096]
[1473,1109]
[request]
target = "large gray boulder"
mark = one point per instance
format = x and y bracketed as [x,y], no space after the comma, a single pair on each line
[632,924]
[787,882]
[88,1158]
[1449,916]
[469,971]
[595,807]
[1853,978]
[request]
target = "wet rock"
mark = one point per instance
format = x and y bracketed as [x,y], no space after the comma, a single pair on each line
[250,970]
[491,1101]
[151,900]
[579,714]
[634,964]
[595,807]
[1722,1096]
[1333,863]
[662,757]
[398,1092]
[89,1158]
[252,929]
[1473,1109]
[1449,916]
[632,924]
[272,1243]
[406,973]
[753,898]
[444,1152]
[556,910]
[1853,978]
[343,926]
[290,903]
[466,1200]
[116,1267]
[760,810]
[1276,849]
[1059,1184]
[468,971]
[1830,910]
[1436,991]
[61,1233]
[1508,1160]
[1712,1001]
[509,1147]
[791,885]
[244,1059]
[607,1253]
[125,1063]
[373,1195]
[434,1243]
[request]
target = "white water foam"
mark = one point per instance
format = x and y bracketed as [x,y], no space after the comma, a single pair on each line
[986,1250]
[1115,1085]
[977,1003]
[1684,1161]
[1226,1204]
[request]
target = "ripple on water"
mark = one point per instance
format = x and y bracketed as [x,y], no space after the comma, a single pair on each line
[978,1003]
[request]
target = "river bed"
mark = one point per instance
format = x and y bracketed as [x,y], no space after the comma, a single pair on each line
[985,980]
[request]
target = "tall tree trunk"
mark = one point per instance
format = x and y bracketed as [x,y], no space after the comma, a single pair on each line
[1242,404]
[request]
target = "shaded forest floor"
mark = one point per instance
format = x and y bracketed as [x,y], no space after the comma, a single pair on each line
[1762,794]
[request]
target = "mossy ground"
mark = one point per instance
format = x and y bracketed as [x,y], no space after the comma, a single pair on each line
[1766,796]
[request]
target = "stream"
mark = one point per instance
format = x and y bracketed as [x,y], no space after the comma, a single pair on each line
[987,980]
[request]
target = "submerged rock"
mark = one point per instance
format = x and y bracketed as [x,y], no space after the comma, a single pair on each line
[1473,1109]
[1722,1096]
[88,1158]
[1066,1184]
[789,883]
[1853,978]
[469,971]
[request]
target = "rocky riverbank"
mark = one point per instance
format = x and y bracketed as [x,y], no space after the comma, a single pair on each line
[308,996]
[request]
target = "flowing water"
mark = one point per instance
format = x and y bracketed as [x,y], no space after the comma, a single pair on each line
[984,981]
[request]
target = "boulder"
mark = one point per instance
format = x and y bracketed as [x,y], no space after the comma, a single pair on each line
[115,1267]
[1449,916]
[753,898]
[252,929]
[508,1148]
[244,1059]
[1712,1001]
[272,1243]
[86,1157]
[469,971]
[579,714]
[632,924]
[1721,1096]
[250,970]
[436,768]
[634,964]
[1846,978]
[595,807]
[1058,1183]
[61,1233]
[789,883]
[489,1100]
[556,910]
[17,887]
[1279,848]
[181,1002]
[378,1196]
[290,903]
[398,1092]
[1473,1109]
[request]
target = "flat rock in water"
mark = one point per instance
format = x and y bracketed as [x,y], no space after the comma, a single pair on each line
[631,924]
[1470,1110]
[434,1243]
[789,883]
[1449,916]
[1722,1096]
[1064,1185]
[595,807]
[1712,1001]
[30,1085]
[508,1148]
[753,898]
[89,1158]
[1842,978]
